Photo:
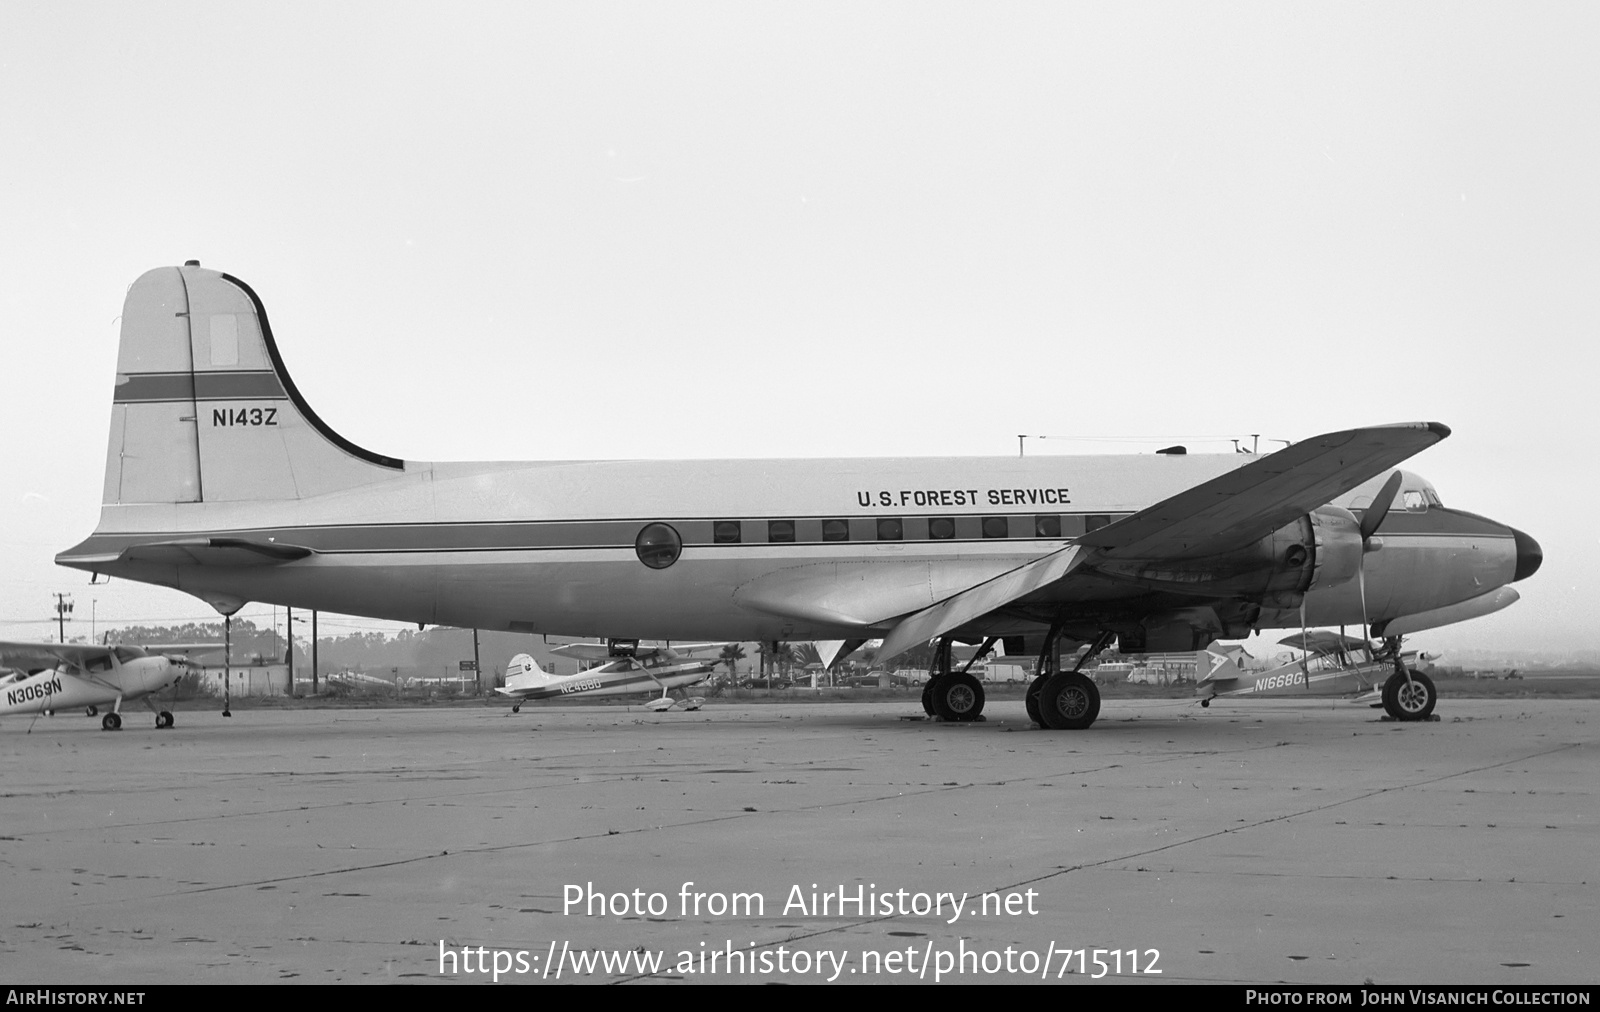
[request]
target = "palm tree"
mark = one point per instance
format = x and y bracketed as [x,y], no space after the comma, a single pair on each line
[731,655]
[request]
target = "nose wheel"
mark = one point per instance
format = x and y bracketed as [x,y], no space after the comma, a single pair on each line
[164,719]
[1409,698]
[111,722]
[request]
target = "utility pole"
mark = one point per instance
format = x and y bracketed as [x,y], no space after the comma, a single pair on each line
[313,651]
[63,609]
[477,672]
[288,657]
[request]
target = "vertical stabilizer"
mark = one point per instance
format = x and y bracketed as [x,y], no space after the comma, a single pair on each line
[524,673]
[204,410]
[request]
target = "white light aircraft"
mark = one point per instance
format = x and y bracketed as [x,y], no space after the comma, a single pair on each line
[57,676]
[628,670]
[1330,664]
[221,481]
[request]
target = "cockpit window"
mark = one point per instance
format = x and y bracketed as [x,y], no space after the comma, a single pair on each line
[1433,498]
[1414,501]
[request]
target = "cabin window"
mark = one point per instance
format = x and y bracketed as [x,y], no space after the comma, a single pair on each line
[1048,526]
[996,527]
[836,530]
[780,530]
[1095,521]
[941,528]
[890,529]
[658,546]
[726,532]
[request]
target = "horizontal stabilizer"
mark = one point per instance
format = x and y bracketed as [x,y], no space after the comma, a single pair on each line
[233,552]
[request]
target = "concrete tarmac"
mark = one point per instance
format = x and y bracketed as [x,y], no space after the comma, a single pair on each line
[1257,841]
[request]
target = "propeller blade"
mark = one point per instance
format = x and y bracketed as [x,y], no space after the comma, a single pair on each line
[1380,506]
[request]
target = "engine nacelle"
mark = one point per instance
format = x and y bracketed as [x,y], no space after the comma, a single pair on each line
[1336,535]
[1321,549]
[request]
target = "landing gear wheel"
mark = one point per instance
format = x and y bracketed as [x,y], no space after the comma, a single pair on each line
[164,718]
[927,697]
[1030,700]
[111,722]
[516,707]
[958,696]
[1069,701]
[91,711]
[1413,700]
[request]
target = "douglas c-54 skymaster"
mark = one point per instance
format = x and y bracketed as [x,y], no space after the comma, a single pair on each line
[221,481]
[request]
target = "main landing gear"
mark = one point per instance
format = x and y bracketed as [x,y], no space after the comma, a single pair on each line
[1064,700]
[953,695]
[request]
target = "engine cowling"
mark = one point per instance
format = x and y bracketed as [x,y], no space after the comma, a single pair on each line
[1336,535]
[1321,549]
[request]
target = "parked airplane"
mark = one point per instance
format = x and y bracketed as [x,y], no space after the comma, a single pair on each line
[1330,665]
[221,481]
[627,671]
[56,676]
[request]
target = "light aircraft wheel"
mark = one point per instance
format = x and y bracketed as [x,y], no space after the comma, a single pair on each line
[164,718]
[1413,700]
[1030,699]
[1205,704]
[516,707]
[111,722]
[927,696]
[958,696]
[1069,701]
[91,711]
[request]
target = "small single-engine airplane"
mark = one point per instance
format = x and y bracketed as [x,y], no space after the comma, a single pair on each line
[628,670]
[57,676]
[222,481]
[1331,664]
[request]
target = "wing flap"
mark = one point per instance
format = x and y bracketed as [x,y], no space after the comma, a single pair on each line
[954,612]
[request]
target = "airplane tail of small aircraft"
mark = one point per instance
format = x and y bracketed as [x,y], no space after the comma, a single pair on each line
[1220,668]
[204,410]
[524,673]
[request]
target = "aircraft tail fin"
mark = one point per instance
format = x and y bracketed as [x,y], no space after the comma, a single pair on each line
[524,673]
[1222,668]
[204,410]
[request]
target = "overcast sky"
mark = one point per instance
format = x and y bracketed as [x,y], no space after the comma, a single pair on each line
[527,231]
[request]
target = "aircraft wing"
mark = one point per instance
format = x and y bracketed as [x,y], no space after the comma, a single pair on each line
[1320,641]
[1227,512]
[1234,509]
[42,654]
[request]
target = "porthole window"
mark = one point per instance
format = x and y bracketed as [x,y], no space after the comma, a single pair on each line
[726,532]
[1047,526]
[658,546]
[941,528]
[780,530]
[836,530]
[890,529]
[1095,521]
[996,527]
